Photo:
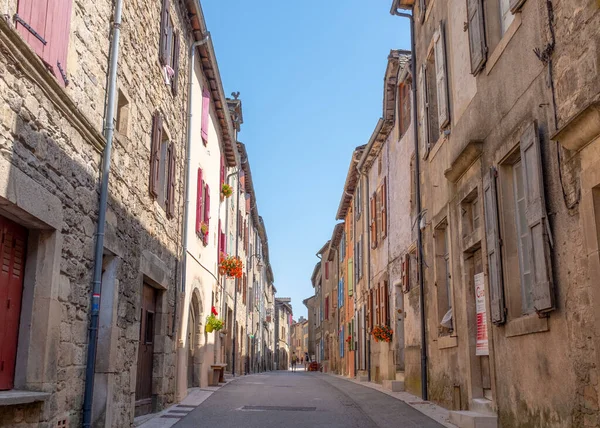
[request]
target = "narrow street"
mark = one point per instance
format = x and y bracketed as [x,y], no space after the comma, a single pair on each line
[302,400]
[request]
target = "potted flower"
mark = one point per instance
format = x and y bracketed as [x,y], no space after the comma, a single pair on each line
[382,333]
[230,266]
[203,228]
[349,339]
[226,190]
[212,322]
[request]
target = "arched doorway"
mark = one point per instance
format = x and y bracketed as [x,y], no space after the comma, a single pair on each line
[193,342]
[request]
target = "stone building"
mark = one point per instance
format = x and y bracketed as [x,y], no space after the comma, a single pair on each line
[507,122]
[283,323]
[297,338]
[333,303]
[311,305]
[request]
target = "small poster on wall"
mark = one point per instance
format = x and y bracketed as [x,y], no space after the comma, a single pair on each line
[482,332]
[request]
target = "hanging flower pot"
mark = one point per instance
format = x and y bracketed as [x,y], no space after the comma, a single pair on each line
[382,333]
[226,190]
[213,323]
[231,266]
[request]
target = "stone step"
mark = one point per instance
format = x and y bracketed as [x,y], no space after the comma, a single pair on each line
[394,385]
[482,405]
[471,419]
[400,376]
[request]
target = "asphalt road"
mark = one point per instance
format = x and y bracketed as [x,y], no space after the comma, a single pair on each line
[302,400]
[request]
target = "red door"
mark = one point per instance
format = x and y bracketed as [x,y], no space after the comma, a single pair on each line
[143,389]
[13,238]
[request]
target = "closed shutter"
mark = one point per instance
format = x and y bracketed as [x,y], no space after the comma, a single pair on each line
[377,299]
[171,181]
[163,50]
[423,112]
[441,77]
[13,239]
[515,5]
[205,115]
[492,236]
[378,211]
[537,220]
[384,208]
[206,209]
[476,34]
[386,304]
[199,207]
[373,226]
[175,61]
[51,21]
[370,309]
[350,277]
[157,129]
[327,307]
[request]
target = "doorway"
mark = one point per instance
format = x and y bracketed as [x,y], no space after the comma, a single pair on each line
[191,345]
[143,388]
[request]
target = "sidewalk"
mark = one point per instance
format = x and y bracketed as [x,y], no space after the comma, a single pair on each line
[433,411]
[171,415]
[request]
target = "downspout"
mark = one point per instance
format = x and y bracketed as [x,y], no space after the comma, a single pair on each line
[90,368]
[188,170]
[413,70]
[367,213]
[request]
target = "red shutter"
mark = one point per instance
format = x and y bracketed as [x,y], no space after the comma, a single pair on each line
[199,212]
[13,239]
[373,226]
[222,169]
[219,240]
[206,209]
[205,115]
[155,153]
[51,19]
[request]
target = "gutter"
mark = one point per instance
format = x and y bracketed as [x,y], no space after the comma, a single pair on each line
[90,368]
[415,124]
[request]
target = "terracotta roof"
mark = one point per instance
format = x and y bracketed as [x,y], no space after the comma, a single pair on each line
[350,185]
[397,60]
[210,68]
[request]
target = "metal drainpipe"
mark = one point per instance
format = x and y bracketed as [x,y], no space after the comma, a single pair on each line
[90,369]
[367,212]
[413,70]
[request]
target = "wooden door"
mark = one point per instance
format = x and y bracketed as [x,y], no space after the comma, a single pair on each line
[191,343]
[13,239]
[143,388]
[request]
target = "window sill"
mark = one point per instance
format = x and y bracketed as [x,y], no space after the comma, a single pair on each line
[527,324]
[436,147]
[15,397]
[499,49]
[445,342]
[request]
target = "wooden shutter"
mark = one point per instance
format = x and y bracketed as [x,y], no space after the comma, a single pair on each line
[377,299]
[422,10]
[373,227]
[537,220]
[378,211]
[476,34]
[370,309]
[205,115]
[385,317]
[13,239]
[157,129]
[35,16]
[384,208]
[175,80]
[170,202]
[423,112]
[441,76]
[199,207]
[350,277]
[163,48]
[206,209]
[492,236]
[515,5]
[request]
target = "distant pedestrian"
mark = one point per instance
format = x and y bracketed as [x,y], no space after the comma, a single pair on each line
[301,360]
[294,358]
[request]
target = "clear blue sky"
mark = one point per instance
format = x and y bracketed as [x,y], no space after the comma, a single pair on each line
[310,74]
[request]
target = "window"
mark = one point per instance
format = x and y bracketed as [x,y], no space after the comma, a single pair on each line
[341,293]
[404,94]
[47,36]
[373,226]
[470,214]
[326,307]
[326,270]
[168,51]
[506,16]
[342,249]
[202,208]
[205,117]
[350,277]
[434,113]
[517,233]
[358,200]
[442,274]
[163,163]
[358,258]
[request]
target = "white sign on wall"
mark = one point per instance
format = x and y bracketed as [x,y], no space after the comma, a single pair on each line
[482,332]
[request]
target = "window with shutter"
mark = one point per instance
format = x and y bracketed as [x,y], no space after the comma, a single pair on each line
[165,24]
[327,307]
[205,115]
[379,217]
[155,147]
[441,71]
[537,220]
[492,232]
[350,277]
[386,304]
[423,112]
[199,206]
[13,239]
[373,226]
[384,208]
[370,311]
[377,298]
[175,63]
[477,44]
[206,210]
[45,26]
[171,180]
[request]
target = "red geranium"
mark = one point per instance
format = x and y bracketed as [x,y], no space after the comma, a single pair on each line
[213,310]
